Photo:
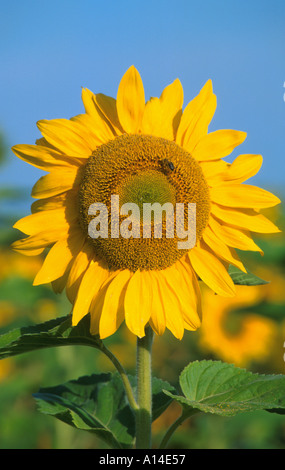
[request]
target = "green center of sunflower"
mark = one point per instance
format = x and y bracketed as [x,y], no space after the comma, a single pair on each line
[148,186]
[142,170]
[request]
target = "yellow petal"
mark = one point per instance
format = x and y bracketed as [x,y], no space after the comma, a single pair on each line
[42,142]
[160,116]
[218,144]
[59,284]
[26,249]
[191,280]
[58,259]
[138,303]
[243,196]
[171,305]
[94,133]
[244,218]
[66,136]
[102,113]
[60,201]
[189,296]
[108,107]
[90,284]
[157,320]
[131,101]
[232,236]
[43,157]
[35,244]
[214,171]
[77,271]
[243,167]
[221,249]
[95,314]
[97,302]
[113,306]
[196,118]
[211,270]
[49,220]
[56,182]
[88,102]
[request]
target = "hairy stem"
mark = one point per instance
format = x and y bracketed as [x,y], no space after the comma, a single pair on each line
[144,391]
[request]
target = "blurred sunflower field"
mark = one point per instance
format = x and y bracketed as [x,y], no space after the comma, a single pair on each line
[247,331]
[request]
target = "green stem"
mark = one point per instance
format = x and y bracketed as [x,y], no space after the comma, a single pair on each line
[124,377]
[144,391]
[184,415]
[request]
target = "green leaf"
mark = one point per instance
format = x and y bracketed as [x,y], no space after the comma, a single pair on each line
[223,389]
[245,279]
[97,404]
[58,332]
[159,403]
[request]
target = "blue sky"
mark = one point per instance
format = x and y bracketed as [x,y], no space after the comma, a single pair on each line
[50,49]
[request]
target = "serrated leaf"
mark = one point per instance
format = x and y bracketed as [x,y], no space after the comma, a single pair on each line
[245,279]
[95,403]
[98,404]
[223,389]
[58,332]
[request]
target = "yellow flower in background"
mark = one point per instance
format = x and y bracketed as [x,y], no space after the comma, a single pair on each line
[144,152]
[234,337]
[7,312]
[11,264]
[13,267]
[6,368]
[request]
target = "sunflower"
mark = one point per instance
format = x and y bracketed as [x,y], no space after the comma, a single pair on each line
[235,338]
[144,152]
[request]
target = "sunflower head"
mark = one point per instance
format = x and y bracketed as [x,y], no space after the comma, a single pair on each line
[142,169]
[236,337]
[124,153]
